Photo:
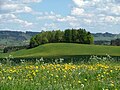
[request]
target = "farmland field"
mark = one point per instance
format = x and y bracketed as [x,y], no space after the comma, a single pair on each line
[99,75]
[65,49]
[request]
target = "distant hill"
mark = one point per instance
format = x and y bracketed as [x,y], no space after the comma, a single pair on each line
[15,38]
[18,38]
[105,36]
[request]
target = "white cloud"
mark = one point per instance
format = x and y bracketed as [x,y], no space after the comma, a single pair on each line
[81,12]
[67,18]
[24,9]
[21,1]
[97,12]
[77,11]
[49,16]
[49,26]
[86,3]
[110,19]
[115,10]
[56,17]
[11,18]
[74,25]
[7,16]
[32,1]
[80,3]
[9,6]
[87,21]
[27,9]
[15,8]
[84,13]
[22,22]
[98,6]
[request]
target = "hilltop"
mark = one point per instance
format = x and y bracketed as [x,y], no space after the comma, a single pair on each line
[65,49]
[19,38]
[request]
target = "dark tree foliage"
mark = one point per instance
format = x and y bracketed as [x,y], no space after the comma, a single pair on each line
[14,48]
[115,42]
[102,42]
[68,36]
[33,42]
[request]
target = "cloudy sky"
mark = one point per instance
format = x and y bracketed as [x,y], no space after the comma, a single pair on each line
[37,15]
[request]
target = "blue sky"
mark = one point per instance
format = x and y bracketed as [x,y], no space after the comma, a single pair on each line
[36,15]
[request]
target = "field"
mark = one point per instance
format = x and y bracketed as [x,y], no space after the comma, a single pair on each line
[94,75]
[1,50]
[65,49]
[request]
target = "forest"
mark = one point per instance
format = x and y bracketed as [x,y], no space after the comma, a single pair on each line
[80,36]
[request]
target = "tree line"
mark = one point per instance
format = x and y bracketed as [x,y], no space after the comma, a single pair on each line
[115,42]
[68,36]
[14,48]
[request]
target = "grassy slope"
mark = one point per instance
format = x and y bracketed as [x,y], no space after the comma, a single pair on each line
[60,49]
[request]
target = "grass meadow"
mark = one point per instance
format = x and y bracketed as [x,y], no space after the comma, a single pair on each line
[98,74]
[64,49]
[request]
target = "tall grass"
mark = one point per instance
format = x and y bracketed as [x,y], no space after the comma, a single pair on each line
[97,74]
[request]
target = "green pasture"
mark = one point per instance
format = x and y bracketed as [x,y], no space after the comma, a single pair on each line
[65,49]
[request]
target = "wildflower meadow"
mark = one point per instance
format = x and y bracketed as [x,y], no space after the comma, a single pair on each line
[102,75]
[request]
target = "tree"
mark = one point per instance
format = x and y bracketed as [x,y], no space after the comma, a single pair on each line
[74,35]
[115,42]
[68,36]
[33,42]
[59,36]
[44,40]
[90,39]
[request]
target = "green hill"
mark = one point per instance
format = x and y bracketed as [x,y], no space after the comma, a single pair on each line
[18,38]
[65,49]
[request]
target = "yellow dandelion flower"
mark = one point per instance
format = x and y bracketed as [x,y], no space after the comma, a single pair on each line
[64,76]
[34,73]
[85,79]
[98,74]
[79,81]
[9,77]
[36,70]
[31,79]
[36,67]
[3,77]
[26,79]
[112,85]
[47,71]
[104,72]
[51,74]
[111,71]
[57,76]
